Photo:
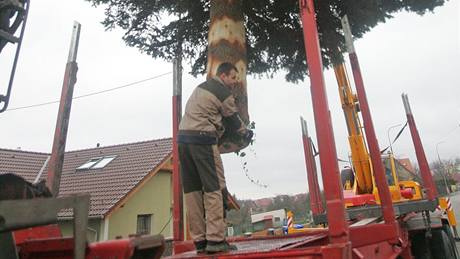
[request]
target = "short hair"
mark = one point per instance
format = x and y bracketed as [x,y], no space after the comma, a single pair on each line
[225,68]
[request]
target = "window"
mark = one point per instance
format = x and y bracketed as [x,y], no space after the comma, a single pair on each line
[103,162]
[96,163]
[388,171]
[144,224]
[90,163]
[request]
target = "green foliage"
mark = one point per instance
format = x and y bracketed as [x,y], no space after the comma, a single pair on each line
[241,219]
[298,204]
[274,35]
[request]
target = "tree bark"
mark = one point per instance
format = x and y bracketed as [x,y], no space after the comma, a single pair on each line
[227,43]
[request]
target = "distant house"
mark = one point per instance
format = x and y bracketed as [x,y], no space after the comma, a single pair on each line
[268,219]
[406,171]
[129,184]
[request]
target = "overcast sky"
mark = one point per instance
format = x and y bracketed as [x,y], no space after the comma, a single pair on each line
[418,55]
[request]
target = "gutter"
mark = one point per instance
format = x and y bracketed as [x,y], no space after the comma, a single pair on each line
[89,217]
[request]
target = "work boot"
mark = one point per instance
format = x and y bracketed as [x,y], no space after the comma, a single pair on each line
[222,246]
[200,246]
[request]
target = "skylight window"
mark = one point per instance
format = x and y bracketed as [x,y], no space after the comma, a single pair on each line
[103,162]
[90,163]
[96,163]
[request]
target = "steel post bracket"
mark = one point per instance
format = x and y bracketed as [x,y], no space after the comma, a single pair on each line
[20,214]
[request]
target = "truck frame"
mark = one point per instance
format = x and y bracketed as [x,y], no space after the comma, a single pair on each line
[350,233]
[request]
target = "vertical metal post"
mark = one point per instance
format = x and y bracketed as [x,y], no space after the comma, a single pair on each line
[338,226]
[312,177]
[374,150]
[62,123]
[80,224]
[178,222]
[420,152]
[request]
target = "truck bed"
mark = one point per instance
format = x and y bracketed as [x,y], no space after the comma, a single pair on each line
[302,244]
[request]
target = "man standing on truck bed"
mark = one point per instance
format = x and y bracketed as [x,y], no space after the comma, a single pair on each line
[209,112]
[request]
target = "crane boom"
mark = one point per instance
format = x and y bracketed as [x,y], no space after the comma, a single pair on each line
[359,153]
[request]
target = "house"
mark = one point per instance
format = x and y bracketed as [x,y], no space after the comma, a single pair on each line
[129,184]
[269,219]
[406,171]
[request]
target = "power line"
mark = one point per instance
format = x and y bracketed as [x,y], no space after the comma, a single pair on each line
[91,94]
[450,132]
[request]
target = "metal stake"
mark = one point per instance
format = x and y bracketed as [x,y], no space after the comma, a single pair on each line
[62,123]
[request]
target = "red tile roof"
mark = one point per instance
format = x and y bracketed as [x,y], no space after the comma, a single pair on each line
[24,163]
[264,202]
[407,164]
[107,185]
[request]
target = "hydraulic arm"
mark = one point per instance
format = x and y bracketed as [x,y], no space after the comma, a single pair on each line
[359,154]
[364,188]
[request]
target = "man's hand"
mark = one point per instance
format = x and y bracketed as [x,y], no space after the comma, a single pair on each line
[248,135]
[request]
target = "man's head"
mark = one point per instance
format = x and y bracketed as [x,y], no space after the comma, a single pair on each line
[227,72]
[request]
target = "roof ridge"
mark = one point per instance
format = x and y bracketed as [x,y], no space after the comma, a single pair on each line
[85,149]
[24,151]
[119,145]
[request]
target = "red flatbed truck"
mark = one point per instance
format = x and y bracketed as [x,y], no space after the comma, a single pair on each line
[386,230]
[381,231]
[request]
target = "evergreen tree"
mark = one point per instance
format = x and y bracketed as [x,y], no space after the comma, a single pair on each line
[274,39]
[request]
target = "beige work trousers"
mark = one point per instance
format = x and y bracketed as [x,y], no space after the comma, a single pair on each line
[204,183]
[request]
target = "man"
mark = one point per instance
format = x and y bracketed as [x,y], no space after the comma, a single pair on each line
[210,104]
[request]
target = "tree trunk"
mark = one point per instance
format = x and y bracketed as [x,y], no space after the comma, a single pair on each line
[227,43]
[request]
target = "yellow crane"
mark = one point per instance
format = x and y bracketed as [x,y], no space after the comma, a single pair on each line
[359,155]
[358,181]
